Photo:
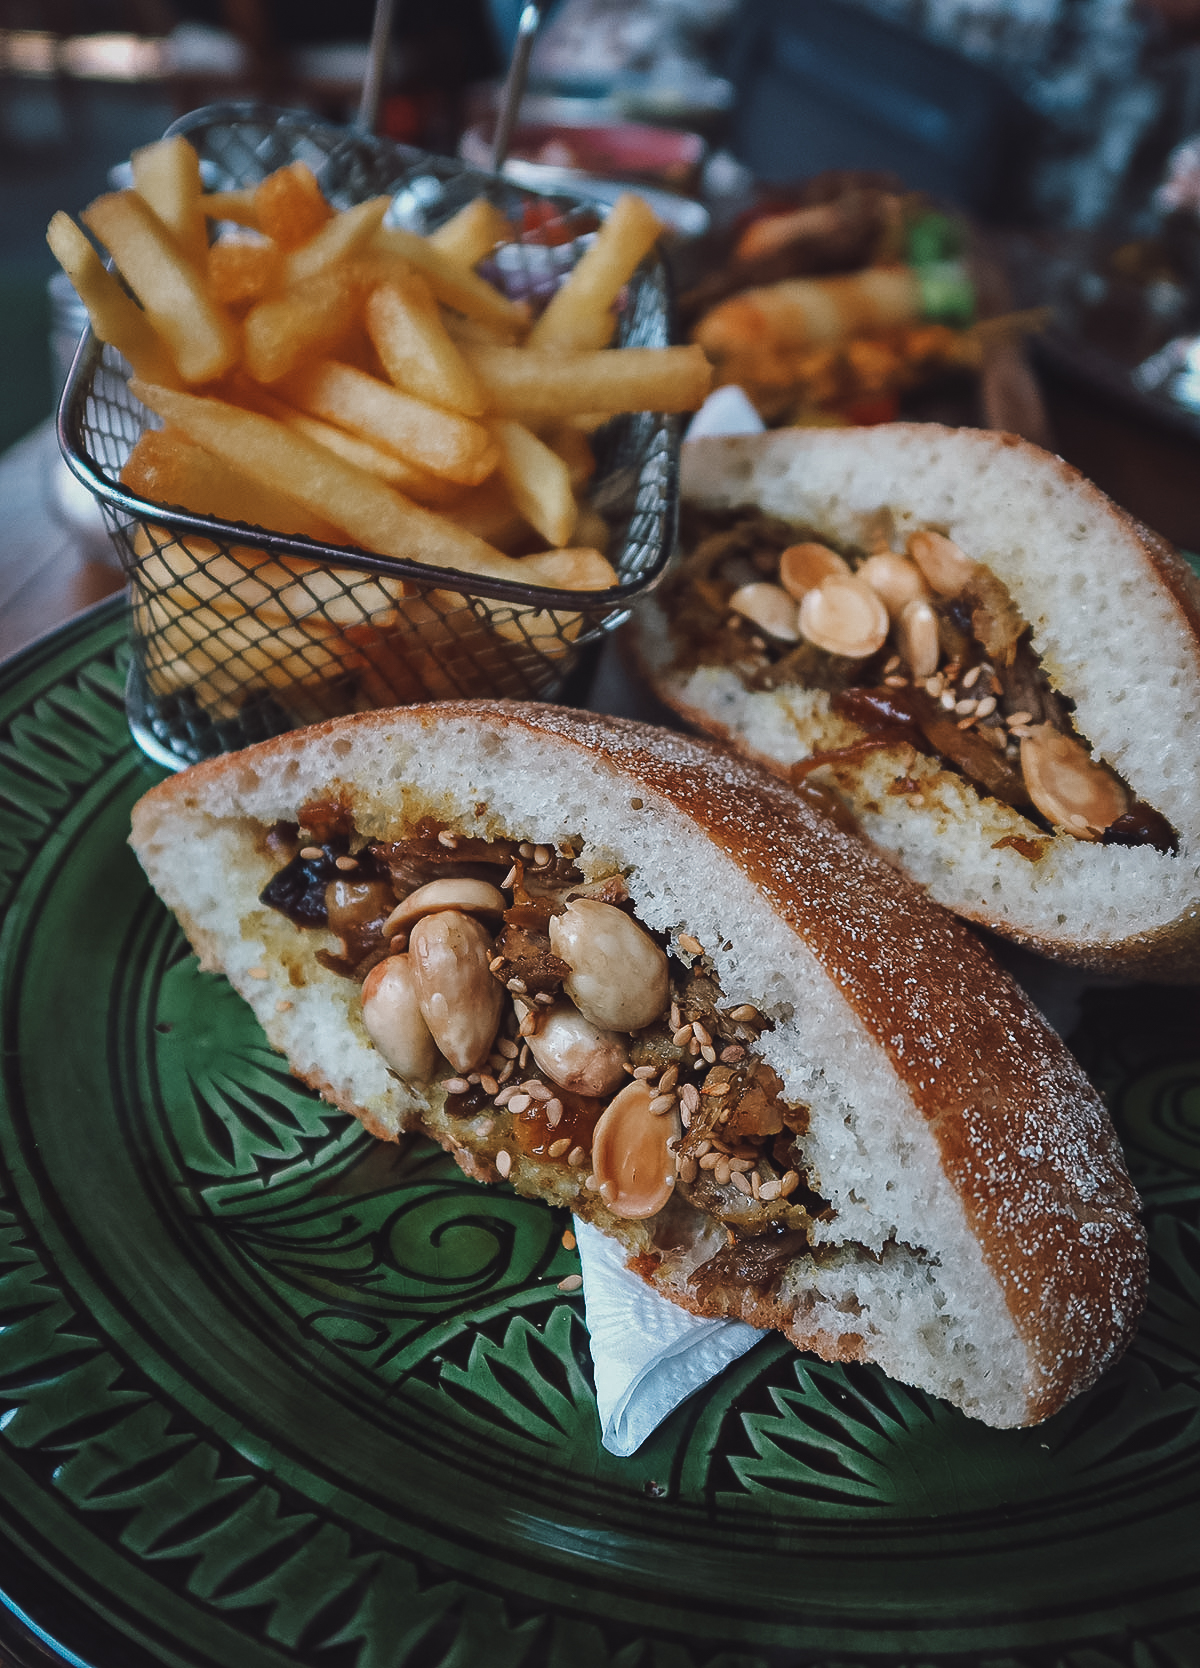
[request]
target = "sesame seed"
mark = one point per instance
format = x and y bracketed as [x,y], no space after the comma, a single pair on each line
[509,878]
[770,1190]
[536,1089]
[947,700]
[692,945]
[1022,732]
[935,685]
[1016,720]
[592,1183]
[722,1171]
[661,1104]
[790,1182]
[742,1164]
[742,1184]
[504,1163]
[709,1053]
[745,1014]
[577,1158]
[455,1085]
[570,1283]
[488,1083]
[345,864]
[642,1072]
[569,1241]
[556,1149]
[688,1169]
[519,1103]
[668,1080]
[505,1095]
[971,678]
[445,838]
[517,986]
[892,664]
[965,723]
[986,707]
[689,1095]
[496,963]
[473,1078]
[543,1000]
[257,973]
[311,854]
[682,1036]
[509,1067]
[755,1183]
[542,855]
[676,1016]
[964,706]
[705,1146]
[505,1046]
[554,1111]
[526,849]
[709,1161]
[730,1055]
[694,1046]
[894,681]
[283,1007]
[700,1033]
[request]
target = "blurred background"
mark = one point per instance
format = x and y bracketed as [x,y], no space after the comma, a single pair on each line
[1053,128]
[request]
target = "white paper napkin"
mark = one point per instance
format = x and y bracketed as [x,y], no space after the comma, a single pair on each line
[648,1355]
[727,410]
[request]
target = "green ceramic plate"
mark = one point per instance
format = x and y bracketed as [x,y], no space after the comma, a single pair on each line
[273,1394]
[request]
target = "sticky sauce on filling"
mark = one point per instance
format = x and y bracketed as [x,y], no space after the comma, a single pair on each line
[565,1034]
[923,647]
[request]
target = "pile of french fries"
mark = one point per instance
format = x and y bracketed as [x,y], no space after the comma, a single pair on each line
[324,375]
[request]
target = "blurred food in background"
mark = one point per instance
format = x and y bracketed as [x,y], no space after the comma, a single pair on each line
[832,300]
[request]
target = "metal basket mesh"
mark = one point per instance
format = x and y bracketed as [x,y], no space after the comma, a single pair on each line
[239,633]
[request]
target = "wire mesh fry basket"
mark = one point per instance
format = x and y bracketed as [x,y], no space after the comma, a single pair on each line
[239,633]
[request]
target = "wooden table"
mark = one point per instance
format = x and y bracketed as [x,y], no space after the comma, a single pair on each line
[52,563]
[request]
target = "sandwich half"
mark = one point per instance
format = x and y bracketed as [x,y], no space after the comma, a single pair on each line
[967,647]
[638,977]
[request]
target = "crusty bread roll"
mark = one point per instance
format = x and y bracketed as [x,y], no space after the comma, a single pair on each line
[960,1212]
[1115,623]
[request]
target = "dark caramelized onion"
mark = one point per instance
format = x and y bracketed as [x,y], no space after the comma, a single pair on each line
[1142,825]
[298,890]
[757,1263]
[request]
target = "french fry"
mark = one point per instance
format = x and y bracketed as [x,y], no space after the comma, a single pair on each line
[441,441]
[192,572]
[434,491]
[472,233]
[372,513]
[241,270]
[306,321]
[337,240]
[453,285]
[580,313]
[538,480]
[237,206]
[575,449]
[116,317]
[570,570]
[488,511]
[290,207]
[167,467]
[201,336]
[166,176]
[406,328]
[535,385]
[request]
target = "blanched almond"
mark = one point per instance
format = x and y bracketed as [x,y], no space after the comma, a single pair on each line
[460,1001]
[845,617]
[391,1011]
[576,1054]
[895,580]
[618,975]
[630,1157]
[945,566]
[769,608]
[802,567]
[917,639]
[470,897]
[1069,787]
